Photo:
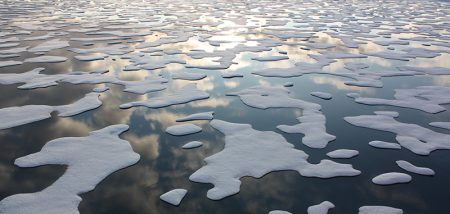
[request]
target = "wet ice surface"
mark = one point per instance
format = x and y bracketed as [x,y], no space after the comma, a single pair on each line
[174,197]
[300,82]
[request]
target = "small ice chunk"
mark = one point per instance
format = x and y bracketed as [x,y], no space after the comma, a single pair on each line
[90,57]
[192,144]
[343,153]
[197,116]
[270,58]
[279,212]
[392,178]
[384,145]
[322,95]
[231,74]
[379,210]
[49,45]
[321,208]
[174,196]
[187,75]
[414,169]
[100,90]
[49,59]
[183,129]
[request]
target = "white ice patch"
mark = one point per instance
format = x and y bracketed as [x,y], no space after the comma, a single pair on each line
[312,122]
[89,160]
[247,153]
[270,58]
[192,144]
[187,75]
[321,208]
[343,153]
[414,169]
[49,59]
[379,210]
[416,138]
[174,196]
[49,45]
[183,129]
[90,57]
[322,95]
[424,98]
[184,95]
[384,145]
[16,116]
[9,63]
[197,116]
[279,212]
[392,178]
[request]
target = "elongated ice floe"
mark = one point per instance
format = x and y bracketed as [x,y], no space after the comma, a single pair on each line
[187,75]
[392,178]
[247,152]
[174,196]
[47,59]
[89,160]
[443,125]
[34,79]
[184,95]
[322,95]
[192,144]
[321,208]
[279,212]
[183,129]
[312,122]
[414,169]
[9,63]
[20,115]
[343,153]
[384,145]
[49,45]
[197,116]
[424,98]
[270,58]
[379,210]
[416,138]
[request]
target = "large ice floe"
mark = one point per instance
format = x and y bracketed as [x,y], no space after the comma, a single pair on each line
[249,152]
[416,138]
[89,160]
[20,115]
[312,121]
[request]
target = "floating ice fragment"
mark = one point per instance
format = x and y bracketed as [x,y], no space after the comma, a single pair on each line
[384,145]
[279,212]
[49,59]
[247,153]
[414,169]
[270,58]
[90,57]
[321,208]
[192,144]
[89,160]
[183,129]
[186,94]
[174,196]
[416,138]
[49,45]
[198,116]
[288,84]
[9,63]
[187,75]
[16,116]
[322,95]
[343,153]
[391,178]
[379,210]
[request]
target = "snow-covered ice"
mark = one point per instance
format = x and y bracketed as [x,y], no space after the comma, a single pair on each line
[174,196]
[391,178]
[183,129]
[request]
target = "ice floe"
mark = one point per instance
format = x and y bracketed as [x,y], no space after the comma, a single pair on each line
[384,145]
[414,169]
[391,178]
[192,144]
[244,154]
[47,59]
[197,116]
[184,95]
[379,210]
[322,95]
[183,129]
[89,160]
[343,153]
[321,208]
[174,196]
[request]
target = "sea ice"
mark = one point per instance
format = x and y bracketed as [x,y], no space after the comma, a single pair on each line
[249,152]
[384,145]
[174,196]
[321,208]
[89,160]
[379,210]
[192,144]
[414,169]
[343,153]
[183,129]
[197,116]
[47,59]
[322,95]
[391,178]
